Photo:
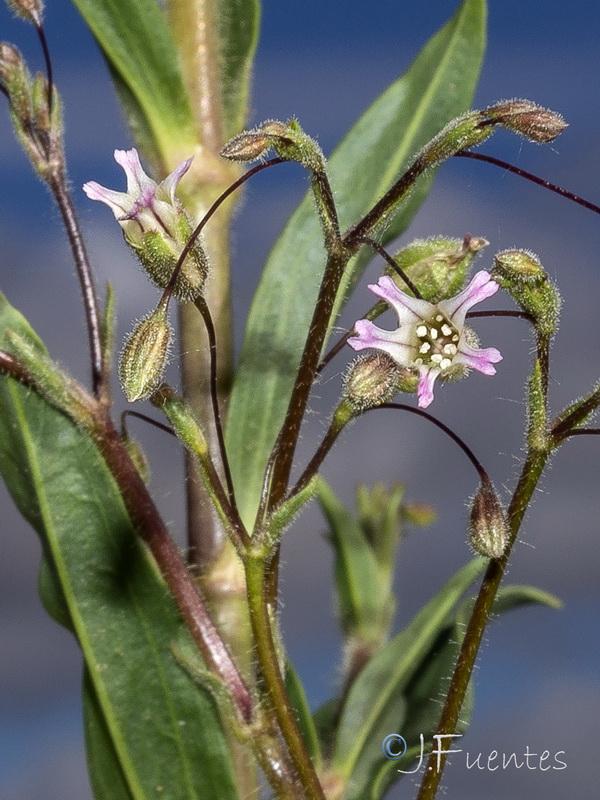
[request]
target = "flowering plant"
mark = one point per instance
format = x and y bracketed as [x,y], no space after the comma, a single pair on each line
[189,691]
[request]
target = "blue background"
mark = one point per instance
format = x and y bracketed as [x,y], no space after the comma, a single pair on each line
[537,679]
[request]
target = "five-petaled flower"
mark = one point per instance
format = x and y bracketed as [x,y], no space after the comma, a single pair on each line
[154,224]
[431,338]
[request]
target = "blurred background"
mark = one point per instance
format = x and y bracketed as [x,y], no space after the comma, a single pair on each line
[537,681]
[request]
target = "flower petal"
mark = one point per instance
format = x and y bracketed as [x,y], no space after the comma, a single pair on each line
[481,287]
[369,335]
[139,185]
[166,188]
[427,376]
[409,309]
[481,360]
[119,202]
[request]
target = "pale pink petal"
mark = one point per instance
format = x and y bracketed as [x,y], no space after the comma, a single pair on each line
[480,288]
[118,202]
[368,335]
[481,360]
[427,376]
[139,185]
[409,309]
[167,187]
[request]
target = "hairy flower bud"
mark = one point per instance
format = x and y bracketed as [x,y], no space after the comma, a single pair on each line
[30,10]
[488,528]
[370,380]
[145,355]
[251,145]
[528,119]
[523,276]
[17,81]
[287,139]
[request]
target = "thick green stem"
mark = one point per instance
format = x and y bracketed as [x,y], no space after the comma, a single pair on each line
[195,28]
[272,678]
[530,475]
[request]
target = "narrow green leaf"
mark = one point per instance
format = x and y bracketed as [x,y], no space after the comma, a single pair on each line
[438,86]
[238,36]
[383,681]
[515,596]
[426,691]
[106,775]
[297,696]
[100,580]
[424,695]
[137,43]
[357,583]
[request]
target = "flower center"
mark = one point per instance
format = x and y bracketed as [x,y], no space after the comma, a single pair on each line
[437,342]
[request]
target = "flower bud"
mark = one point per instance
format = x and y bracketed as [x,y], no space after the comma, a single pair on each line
[287,139]
[370,380]
[145,355]
[437,266]
[528,119]
[521,274]
[30,10]
[250,145]
[138,457]
[488,528]
[17,82]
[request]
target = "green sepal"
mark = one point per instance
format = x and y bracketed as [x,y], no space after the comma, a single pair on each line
[520,273]
[438,266]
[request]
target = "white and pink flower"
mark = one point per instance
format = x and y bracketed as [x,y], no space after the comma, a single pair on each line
[430,338]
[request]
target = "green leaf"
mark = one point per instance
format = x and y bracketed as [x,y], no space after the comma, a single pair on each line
[357,581]
[137,43]
[297,697]
[515,596]
[367,713]
[424,695]
[106,775]
[426,690]
[238,35]
[100,580]
[438,86]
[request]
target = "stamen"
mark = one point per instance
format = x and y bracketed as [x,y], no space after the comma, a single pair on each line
[422,330]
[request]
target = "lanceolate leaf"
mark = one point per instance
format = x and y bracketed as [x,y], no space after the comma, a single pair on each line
[383,681]
[357,580]
[425,692]
[438,86]
[100,580]
[238,33]
[137,43]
